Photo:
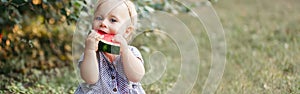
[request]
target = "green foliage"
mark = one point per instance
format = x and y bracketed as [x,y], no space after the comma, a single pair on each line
[53,11]
[29,32]
[144,7]
[34,38]
[42,82]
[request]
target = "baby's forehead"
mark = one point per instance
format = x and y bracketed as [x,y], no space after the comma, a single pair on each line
[107,6]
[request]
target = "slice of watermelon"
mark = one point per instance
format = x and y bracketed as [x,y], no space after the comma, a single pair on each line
[107,45]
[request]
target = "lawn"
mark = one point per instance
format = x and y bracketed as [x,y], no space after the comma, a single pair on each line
[263,46]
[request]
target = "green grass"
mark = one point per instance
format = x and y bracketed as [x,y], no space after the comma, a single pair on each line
[263,48]
[50,81]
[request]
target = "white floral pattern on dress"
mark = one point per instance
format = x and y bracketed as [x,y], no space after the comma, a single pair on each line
[112,79]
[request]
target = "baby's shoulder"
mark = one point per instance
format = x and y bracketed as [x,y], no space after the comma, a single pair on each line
[133,48]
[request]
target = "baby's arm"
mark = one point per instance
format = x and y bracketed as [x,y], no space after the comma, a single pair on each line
[89,69]
[133,66]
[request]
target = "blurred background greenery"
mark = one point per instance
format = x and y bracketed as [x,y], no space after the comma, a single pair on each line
[262,45]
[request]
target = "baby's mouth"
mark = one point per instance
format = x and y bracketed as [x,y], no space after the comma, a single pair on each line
[101,32]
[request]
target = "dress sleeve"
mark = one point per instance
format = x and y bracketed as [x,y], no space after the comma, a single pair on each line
[136,53]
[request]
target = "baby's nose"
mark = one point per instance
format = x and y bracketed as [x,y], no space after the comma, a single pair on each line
[103,24]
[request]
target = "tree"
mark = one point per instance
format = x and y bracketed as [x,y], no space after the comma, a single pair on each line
[30,29]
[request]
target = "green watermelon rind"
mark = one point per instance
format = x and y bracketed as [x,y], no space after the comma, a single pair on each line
[108,47]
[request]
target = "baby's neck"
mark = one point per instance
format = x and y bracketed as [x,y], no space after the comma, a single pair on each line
[111,57]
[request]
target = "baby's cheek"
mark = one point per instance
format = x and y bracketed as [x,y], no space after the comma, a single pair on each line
[115,31]
[94,24]
[121,30]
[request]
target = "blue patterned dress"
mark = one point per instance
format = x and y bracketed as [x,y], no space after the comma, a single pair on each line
[112,79]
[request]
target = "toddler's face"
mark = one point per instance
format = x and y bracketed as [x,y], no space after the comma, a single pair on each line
[111,19]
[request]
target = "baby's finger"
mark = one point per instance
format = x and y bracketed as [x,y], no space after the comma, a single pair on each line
[115,39]
[98,38]
[118,38]
[93,32]
[92,36]
[101,36]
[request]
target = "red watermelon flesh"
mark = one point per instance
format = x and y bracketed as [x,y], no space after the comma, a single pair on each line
[107,38]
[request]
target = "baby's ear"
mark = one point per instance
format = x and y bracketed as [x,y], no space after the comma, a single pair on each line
[129,30]
[128,33]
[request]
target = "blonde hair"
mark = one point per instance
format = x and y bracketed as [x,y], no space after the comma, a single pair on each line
[131,11]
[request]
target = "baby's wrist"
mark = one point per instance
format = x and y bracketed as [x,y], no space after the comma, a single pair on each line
[124,46]
[89,51]
[124,49]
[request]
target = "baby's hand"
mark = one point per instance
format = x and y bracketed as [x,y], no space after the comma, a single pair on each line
[91,42]
[120,39]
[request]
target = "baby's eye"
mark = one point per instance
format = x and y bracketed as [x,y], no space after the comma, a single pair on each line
[98,18]
[113,20]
